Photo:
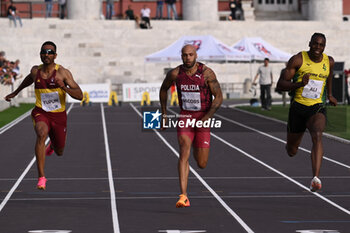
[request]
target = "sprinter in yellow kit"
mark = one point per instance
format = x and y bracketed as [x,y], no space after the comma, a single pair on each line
[309,78]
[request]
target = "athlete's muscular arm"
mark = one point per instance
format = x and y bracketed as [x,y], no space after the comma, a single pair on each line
[170,78]
[332,100]
[25,83]
[66,79]
[284,83]
[215,89]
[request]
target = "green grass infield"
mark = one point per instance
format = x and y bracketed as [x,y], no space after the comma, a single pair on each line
[338,118]
[11,113]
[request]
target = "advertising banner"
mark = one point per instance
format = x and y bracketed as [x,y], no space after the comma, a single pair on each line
[134,91]
[98,92]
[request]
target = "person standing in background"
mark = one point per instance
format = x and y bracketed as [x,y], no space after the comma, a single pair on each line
[265,81]
[171,6]
[109,9]
[159,12]
[12,14]
[62,4]
[48,8]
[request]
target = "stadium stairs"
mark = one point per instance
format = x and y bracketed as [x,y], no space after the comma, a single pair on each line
[98,51]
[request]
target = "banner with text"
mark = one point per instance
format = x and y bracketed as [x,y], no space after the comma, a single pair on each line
[134,91]
[98,92]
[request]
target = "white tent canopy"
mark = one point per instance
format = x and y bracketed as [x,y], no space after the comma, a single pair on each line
[260,49]
[208,49]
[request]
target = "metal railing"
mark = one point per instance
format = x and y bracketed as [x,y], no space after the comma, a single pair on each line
[26,9]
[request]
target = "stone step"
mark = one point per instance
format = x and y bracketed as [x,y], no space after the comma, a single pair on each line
[100,50]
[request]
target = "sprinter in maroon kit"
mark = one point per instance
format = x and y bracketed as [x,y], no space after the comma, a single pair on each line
[196,85]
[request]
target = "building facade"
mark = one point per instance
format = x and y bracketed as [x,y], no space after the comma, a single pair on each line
[193,9]
[301,9]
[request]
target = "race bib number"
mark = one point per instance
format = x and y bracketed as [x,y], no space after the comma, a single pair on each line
[191,101]
[313,89]
[50,101]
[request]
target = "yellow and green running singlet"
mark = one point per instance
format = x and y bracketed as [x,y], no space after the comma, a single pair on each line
[313,92]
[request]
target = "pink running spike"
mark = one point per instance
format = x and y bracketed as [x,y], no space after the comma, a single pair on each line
[42,183]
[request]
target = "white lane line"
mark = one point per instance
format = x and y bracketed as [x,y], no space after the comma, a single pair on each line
[176,178]
[281,174]
[188,231]
[339,139]
[239,220]
[268,166]
[49,231]
[110,175]
[14,122]
[260,116]
[14,187]
[172,197]
[277,139]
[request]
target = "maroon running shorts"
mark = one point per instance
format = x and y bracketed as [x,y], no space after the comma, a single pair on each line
[200,136]
[56,123]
